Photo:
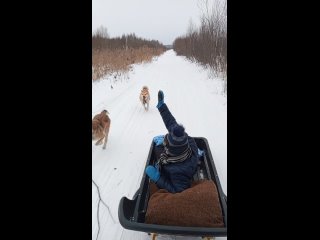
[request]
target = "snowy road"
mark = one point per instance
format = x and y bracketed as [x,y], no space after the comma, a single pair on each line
[195,100]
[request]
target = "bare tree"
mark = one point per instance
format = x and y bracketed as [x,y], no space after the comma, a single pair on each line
[102,32]
[207,44]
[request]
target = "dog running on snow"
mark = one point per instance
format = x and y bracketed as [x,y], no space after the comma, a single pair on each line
[100,128]
[145,97]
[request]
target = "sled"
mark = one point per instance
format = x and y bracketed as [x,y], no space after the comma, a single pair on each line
[132,212]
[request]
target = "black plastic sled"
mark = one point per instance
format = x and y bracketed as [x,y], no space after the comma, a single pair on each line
[132,212]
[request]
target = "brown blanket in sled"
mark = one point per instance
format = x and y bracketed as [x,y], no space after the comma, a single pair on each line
[197,206]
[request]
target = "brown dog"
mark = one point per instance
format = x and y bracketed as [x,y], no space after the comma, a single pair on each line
[145,97]
[100,128]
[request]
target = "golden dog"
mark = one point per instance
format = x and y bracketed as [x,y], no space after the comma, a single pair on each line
[145,97]
[100,128]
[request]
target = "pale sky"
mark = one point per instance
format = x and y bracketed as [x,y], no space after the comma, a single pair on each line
[161,20]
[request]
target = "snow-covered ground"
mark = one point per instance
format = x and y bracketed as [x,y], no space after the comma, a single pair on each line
[194,100]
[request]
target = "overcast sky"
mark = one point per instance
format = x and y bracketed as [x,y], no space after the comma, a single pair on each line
[161,20]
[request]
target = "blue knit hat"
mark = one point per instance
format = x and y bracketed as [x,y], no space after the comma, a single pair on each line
[177,137]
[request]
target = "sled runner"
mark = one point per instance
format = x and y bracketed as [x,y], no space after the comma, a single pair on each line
[132,213]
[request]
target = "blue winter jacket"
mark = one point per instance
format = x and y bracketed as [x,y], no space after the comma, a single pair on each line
[176,177]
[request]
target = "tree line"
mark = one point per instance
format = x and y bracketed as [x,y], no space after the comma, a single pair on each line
[114,56]
[207,43]
[101,40]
